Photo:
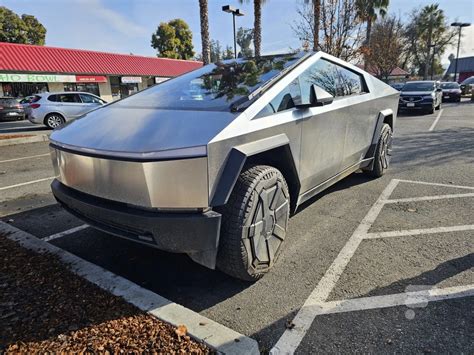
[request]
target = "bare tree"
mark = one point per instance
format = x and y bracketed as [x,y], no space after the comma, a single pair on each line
[385,47]
[341,34]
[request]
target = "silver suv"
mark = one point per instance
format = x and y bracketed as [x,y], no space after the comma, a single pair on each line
[54,109]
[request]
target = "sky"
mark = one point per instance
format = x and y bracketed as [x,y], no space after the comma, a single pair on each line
[125,26]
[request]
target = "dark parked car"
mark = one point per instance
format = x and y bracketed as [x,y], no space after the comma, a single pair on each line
[420,95]
[451,91]
[11,109]
[213,162]
[467,85]
[397,86]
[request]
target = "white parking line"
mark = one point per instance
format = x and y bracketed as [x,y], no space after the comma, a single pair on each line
[30,157]
[64,233]
[436,120]
[429,198]
[398,299]
[408,232]
[291,338]
[26,183]
[437,184]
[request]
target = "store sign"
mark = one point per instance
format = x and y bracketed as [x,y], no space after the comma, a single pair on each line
[90,79]
[160,80]
[37,78]
[131,79]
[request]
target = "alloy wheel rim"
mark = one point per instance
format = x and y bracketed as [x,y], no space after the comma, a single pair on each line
[268,227]
[54,121]
[385,151]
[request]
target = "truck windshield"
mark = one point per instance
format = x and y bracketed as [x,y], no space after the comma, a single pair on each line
[214,87]
[418,87]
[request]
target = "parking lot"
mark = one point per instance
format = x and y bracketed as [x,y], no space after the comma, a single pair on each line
[382,265]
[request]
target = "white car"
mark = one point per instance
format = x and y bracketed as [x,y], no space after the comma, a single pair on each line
[54,109]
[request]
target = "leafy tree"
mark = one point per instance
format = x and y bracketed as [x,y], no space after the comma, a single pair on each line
[206,46]
[257,24]
[385,47]
[216,51]
[228,53]
[367,12]
[25,29]
[244,39]
[173,40]
[427,35]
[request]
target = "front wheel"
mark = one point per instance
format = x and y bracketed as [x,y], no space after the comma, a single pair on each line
[382,153]
[54,120]
[254,223]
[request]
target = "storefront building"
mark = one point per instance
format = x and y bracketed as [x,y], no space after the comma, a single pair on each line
[26,70]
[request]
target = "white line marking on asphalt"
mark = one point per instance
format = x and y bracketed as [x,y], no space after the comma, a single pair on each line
[429,198]
[408,232]
[26,183]
[64,233]
[291,338]
[215,335]
[436,120]
[398,299]
[30,157]
[437,184]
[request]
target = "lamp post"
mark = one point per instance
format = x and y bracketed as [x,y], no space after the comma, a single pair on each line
[460,25]
[235,12]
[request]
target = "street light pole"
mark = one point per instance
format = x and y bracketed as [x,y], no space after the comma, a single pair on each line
[235,12]
[460,25]
[432,60]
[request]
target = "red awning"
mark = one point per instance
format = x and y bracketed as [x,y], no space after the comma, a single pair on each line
[29,58]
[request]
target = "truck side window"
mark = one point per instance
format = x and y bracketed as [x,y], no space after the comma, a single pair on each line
[283,101]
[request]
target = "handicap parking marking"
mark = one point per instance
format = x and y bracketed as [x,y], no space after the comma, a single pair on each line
[317,304]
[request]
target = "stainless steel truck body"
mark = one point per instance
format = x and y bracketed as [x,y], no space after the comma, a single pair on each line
[213,163]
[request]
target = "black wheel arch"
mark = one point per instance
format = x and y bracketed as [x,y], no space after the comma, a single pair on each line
[274,151]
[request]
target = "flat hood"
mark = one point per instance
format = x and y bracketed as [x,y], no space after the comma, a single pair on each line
[138,131]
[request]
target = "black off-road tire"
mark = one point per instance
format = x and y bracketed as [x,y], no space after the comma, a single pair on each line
[382,153]
[254,223]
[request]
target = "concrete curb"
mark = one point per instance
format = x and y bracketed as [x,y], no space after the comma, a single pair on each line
[23,140]
[213,334]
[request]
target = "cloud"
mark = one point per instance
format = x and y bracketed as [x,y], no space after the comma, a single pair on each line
[117,21]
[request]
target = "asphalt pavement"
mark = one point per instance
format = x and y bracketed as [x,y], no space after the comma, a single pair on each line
[370,266]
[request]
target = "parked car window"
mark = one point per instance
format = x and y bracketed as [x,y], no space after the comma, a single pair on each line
[450,86]
[419,86]
[352,82]
[283,101]
[214,87]
[69,98]
[89,99]
[469,80]
[323,74]
[53,98]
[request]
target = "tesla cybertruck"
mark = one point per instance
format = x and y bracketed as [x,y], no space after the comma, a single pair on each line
[212,163]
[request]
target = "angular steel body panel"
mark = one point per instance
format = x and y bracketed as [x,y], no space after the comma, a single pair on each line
[162,184]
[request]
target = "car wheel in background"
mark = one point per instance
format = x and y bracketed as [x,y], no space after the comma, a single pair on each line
[54,120]
[431,109]
[254,223]
[439,106]
[382,153]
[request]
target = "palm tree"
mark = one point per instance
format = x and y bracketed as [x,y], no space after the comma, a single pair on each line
[316,20]
[430,20]
[206,45]
[257,24]
[367,11]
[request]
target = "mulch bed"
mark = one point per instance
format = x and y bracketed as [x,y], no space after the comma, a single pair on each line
[44,307]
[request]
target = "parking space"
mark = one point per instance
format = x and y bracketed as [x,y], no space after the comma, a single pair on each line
[386,263]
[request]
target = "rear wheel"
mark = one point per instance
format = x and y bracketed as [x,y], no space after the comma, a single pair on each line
[382,153]
[54,120]
[254,223]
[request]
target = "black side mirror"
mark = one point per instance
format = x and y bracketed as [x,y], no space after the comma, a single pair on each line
[317,97]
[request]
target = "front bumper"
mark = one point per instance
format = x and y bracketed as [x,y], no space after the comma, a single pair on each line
[196,234]
[419,105]
[450,96]
[12,116]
